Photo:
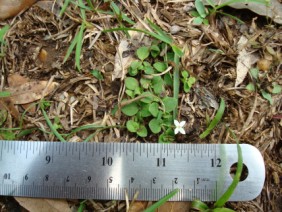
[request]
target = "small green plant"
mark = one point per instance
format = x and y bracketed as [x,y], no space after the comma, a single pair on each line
[187,81]
[77,41]
[215,121]
[258,85]
[149,100]
[218,205]
[3,31]
[202,13]
[53,127]
[163,200]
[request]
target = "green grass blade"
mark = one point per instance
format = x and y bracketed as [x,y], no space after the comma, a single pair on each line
[224,198]
[70,49]
[82,10]
[4,94]
[3,31]
[157,36]
[89,2]
[199,205]
[65,6]
[92,127]
[24,132]
[49,123]
[153,207]
[215,121]
[160,32]
[79,46]
[176,83]
[211,3]
[231,16]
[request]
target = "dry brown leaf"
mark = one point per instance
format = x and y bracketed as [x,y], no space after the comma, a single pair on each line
[31,91]
[50,6]
[43,205]
[174,206]
[244,62]
[17,80]
[138,206]
[8,105]
[9,8]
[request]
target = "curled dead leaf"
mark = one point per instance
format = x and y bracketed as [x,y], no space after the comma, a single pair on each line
[31,91]
[8,105]
[43,205]
[245,60]
[10,8]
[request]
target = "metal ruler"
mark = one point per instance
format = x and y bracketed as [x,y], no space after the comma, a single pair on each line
[110,171]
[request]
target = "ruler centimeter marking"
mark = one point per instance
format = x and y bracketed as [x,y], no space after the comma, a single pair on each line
[110,171]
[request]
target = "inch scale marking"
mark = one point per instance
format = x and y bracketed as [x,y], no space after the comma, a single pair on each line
[109,171]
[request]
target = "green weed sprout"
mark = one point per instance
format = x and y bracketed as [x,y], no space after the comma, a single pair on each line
[49,123]
[146,101]
[256,85]
[77,41]
[146,97]
[3,31]
[155,206]
[215,121]
[218,205]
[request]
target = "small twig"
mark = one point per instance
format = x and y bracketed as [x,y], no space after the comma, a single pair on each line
[159,74]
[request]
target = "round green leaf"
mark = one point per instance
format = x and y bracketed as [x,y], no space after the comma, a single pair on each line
[131,83]
[155,51]
[129,93]
[198,21]
[132,126]
[200,7]
[154,109]
[149,97]
[185,74]
[276,88]
[155,126]
[158,84]
[170,104]
[144,112]
[142,131]
[132,72]
[145,83]
[168,79]
[160,66]
[255,73]
[251,87]
[191,81]
[136,64]
[130,109]
[148,70]
[142,52]
[186,87]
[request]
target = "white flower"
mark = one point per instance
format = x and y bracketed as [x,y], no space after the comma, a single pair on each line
[179,127]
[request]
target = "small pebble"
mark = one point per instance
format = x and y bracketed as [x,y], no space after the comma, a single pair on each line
[174,29]
[188,7]
[264,64]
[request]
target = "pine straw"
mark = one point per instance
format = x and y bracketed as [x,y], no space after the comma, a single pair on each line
[81,99]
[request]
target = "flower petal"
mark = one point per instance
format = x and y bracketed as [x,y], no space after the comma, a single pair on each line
[176,123]
[176,130]
[181,130]
[182,123]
